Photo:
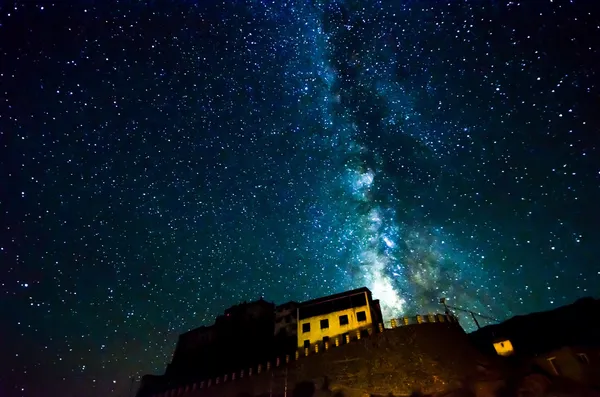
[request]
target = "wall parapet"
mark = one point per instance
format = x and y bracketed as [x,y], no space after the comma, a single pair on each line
[316,348]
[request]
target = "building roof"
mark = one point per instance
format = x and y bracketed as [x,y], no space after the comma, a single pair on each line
[202,329]
[336,296]
[242,307]
[287,305]
[334,303]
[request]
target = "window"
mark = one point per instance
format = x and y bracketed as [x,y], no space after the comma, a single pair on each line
[325,339]
[361,316]
[554,365]
[344,319]
[324,324]
[344,337]
[307,344]
[583,358]
[306,327]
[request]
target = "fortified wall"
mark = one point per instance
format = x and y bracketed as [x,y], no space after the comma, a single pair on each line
[429,353]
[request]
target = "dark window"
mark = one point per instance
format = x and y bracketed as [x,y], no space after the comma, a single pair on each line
[306,327]
[307,344]
[583,358]
[361,316]
[325,339]
[344,319]
[324,324]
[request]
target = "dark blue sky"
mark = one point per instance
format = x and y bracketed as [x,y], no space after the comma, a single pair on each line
[161,162]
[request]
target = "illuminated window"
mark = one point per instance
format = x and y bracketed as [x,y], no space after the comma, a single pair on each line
[504,347]
[554,365]
[324,324]
[307,344]
[583,358]
[344,336]
[361,316]
[306,327]
[344,320]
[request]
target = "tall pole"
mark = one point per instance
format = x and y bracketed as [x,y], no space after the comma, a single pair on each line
[285,383]
[271,384]
[475,319]
[443,302]
[472,313]
[131,385]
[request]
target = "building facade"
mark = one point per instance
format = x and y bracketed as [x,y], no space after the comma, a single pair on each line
[259,331]
[337,316]
[244,329]
[504,347]
[286,327]
[286,319]
[192,348]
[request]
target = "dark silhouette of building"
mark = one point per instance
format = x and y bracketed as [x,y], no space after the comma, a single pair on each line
[243,334]
[259,331]
[386,361]
[286,328]
[540,354]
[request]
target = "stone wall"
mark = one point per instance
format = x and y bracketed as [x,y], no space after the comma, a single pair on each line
[429,356]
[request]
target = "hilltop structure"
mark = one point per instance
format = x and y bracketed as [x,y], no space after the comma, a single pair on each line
[331,337]
[257,331]
[339,345]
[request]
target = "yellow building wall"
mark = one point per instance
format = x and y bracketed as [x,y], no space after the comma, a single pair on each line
[317,334]
[504,348]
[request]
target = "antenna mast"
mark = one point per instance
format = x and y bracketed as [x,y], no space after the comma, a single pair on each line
[472,313]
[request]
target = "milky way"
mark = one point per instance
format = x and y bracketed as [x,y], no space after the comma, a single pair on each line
[163,161]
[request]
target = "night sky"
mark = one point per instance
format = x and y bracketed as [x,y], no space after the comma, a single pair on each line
[161,161]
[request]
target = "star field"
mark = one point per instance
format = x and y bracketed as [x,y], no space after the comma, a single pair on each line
[162,161]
